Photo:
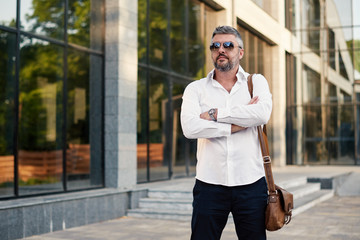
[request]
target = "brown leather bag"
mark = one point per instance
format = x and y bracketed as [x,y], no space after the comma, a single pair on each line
[280,202]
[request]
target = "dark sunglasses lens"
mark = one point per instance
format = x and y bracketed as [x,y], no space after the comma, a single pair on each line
[228,45]
[215,45]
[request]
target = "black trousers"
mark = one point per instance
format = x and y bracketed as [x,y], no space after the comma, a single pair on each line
[213,203]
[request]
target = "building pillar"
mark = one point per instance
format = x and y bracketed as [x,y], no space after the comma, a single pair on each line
[279,106]
[120,93]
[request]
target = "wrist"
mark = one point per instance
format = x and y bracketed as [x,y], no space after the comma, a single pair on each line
[213,114]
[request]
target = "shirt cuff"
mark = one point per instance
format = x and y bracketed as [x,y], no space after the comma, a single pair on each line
[225,128]
[222,114]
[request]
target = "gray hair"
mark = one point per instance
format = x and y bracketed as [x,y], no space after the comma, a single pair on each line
[229,30]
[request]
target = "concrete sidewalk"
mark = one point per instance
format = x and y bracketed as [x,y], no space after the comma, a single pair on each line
[336,218]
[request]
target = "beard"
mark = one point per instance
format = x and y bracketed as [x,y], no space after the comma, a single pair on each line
[225,66]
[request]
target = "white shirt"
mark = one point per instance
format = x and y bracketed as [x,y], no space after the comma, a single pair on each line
[224,158]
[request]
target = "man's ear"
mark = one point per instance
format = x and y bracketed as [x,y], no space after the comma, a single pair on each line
[241,53]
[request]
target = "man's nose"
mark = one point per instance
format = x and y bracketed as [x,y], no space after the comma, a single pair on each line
[221,49]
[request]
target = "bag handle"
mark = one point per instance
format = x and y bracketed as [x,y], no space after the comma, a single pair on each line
[262,133]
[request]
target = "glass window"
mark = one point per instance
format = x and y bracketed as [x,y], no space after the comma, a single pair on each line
[313,93]
[142,30]
[342,66]
[332,50]
[290,79]
[158,26]
[343,15]
[184,150]
[7,110]
[356,53]
[44,70]
[158,126]
[311,24]
[332,93]
[43,17]
[160,140]
[315,147]
[346,135]
[290,12]
[293,150]
[357,126]
[85,24]
[245,37]
[178,37]
[40,113]
[83,154]
[8,13]
[260,57]
[142,126]
[196,45]
[251,64]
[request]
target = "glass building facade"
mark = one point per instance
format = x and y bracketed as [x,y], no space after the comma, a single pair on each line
[172,52]
[52,63]
[321,68]
[323,82]
[51,111]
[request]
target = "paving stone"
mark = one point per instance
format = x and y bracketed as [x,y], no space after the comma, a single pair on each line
[334,219]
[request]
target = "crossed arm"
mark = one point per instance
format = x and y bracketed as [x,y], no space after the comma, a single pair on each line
[196,122]
[234,128]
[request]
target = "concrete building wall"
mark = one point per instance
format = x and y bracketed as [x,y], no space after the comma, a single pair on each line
[120,93]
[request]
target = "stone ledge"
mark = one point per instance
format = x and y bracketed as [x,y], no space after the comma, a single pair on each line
[21,218]
[61,197]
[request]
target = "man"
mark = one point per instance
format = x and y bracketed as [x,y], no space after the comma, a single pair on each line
[219,112]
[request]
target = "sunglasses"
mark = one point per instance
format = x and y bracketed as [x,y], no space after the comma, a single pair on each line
[227,45]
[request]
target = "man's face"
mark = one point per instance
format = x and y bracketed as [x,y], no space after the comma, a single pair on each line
[225,59]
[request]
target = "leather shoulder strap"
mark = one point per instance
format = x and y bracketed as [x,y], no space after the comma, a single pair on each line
[250,85]
[251,89]
[264,146]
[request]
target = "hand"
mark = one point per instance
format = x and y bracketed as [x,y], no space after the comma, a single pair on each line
[206,116]
[236,128]
[254,100]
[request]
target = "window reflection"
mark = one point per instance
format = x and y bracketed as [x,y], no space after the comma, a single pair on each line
[142,31]
[311,24]
[40,121]
[159,138]
[40,114]
[142,126]
[158,126]
[312,79]
[158,28]
[43,17]
[342,67]
[332,50]
[8,13]
[85,24]
[196,43]
[184,150]
[83,161]
[179,35]
[7,118]
[290,15]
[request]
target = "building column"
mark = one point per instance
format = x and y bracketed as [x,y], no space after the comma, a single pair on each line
[279,106]
[120,93]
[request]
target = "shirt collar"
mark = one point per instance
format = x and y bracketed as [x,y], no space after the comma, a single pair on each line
[241,75]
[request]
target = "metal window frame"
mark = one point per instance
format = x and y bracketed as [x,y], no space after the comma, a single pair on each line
[18,32]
